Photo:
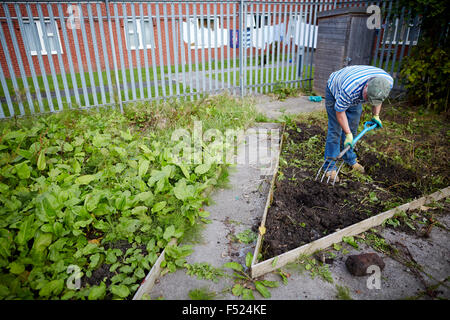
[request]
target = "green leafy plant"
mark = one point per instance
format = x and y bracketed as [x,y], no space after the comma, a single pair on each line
[246,236]
[88,191]
[245,285]
[204,271]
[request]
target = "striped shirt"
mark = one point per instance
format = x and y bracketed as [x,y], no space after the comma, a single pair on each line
[347,84]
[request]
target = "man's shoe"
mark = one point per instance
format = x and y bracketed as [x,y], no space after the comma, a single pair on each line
[358,167]
[332,174]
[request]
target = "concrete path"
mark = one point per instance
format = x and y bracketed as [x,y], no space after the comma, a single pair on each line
[274,108]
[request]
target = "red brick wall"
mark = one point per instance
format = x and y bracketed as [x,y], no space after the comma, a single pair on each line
[90,43]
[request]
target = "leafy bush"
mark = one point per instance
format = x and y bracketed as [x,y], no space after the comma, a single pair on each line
[426,73]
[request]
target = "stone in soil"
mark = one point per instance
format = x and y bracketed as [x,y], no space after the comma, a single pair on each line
[357,264]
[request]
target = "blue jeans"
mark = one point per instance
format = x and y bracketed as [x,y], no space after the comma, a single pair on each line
[335,135]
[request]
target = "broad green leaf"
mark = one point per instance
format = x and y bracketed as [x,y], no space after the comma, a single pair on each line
[248,259]
[126,135]
[25,230]
[159,206]
[41,242]
[156,176]
[91,201]
[24,153]
[97,292]
[247,294]
[143,167]
[145,197]
[202,168]
[76,166]
[270,284]
[121,151]
[23,170]
[184,170]
[111,257]
[53,287]
[237,290]
[262,289]
[95,259]
[169,232]
[101,140]
[67,147]
[5,247]
[139,210]
[120,290]
[86,179]
[180,190]
[121,202]
[234,265]
[41,162]
[16,267]
[4,291]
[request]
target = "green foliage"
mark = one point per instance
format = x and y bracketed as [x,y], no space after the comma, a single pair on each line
[245,285]
[426,73]
[201,294]
[73,185]
[204,271]
[282,91]
[351,241]
[343,293]
[246,236]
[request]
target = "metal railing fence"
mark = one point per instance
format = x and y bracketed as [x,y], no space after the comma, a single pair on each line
[58,55]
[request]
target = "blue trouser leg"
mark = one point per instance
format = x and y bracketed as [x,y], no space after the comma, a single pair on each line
[335,135]
[353,114]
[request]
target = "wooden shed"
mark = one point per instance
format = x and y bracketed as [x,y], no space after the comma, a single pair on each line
[343,39]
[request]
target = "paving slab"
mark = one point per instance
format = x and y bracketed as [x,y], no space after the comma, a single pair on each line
[273,108]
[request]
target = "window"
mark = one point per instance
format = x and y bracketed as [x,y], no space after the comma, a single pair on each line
[203,23]
[257,21]
[34,33]
[200,26]
[134,35]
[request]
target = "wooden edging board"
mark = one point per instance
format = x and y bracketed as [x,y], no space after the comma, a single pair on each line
[261,268]
[268,202]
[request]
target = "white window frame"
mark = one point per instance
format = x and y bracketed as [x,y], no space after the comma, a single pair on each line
[252,20]
[139,32]
[41,39]
[197,21]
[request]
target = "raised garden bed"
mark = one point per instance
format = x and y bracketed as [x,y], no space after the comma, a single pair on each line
[311,215]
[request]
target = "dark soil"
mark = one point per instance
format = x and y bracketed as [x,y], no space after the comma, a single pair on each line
[304,210]
[391,176]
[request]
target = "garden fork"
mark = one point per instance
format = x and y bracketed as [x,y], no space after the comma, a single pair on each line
[369,125]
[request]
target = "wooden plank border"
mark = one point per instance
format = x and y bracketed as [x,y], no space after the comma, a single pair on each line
[268,202]
[149,281]
[261,268]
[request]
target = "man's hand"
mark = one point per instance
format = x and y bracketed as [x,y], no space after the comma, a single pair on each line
[348,140]
[377,120]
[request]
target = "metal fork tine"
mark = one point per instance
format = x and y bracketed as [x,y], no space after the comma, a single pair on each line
[320,169]
[325,171]
[337,172]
